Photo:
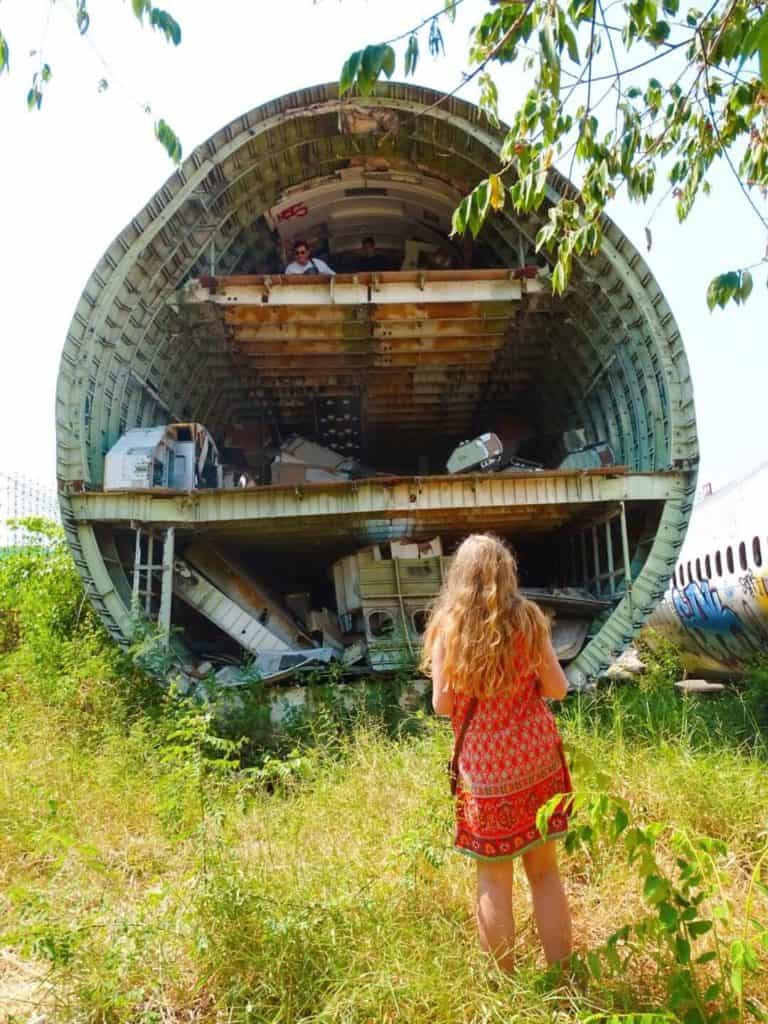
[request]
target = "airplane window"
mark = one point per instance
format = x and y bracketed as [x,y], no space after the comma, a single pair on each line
[757,554]
[743,555]
[707,567]
[718,564]
[698,569]
[729,558]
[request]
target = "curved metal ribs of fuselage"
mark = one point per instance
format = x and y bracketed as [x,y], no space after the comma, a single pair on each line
[617,363]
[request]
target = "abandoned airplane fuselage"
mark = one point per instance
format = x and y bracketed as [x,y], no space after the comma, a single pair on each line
[334,404]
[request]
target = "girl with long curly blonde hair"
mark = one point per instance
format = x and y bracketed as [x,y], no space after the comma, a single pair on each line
[490,655]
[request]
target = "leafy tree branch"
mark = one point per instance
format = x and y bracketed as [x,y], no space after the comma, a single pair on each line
[158,19]
[713,105]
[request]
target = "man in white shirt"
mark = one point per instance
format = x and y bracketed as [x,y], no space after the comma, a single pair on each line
[305,262]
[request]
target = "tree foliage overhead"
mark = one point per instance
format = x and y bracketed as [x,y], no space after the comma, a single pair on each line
[148,14]
[628,94]
[639,96]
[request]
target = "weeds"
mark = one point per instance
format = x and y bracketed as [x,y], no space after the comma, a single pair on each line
[661,658]
[706,954]
[160,862]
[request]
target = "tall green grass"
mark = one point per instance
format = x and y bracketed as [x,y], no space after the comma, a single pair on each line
[155,869]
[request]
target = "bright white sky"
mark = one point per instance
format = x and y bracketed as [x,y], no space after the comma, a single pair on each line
[72,175]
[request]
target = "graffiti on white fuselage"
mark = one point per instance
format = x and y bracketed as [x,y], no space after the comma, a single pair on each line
[716,608]
[727,622]
[699,606]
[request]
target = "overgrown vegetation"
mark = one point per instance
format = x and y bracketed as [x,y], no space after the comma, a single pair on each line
[705,99]
[154,867]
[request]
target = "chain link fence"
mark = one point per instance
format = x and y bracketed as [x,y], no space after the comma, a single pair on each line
[21,497]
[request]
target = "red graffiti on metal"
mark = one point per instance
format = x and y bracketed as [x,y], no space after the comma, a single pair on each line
[297,210]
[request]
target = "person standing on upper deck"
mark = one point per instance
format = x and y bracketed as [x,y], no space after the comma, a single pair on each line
[305,263]
[369,259]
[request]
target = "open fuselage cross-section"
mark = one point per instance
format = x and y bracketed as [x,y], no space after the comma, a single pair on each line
[278,466]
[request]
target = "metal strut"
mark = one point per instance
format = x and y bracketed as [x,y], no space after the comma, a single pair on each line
[144,572]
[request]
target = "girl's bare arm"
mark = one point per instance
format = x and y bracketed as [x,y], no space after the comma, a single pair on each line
[553,683]
[442,697]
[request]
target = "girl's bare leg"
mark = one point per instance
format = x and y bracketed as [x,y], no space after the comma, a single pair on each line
[495,921]
[550,905]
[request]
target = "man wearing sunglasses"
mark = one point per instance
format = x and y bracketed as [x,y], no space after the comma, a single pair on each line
[305,263]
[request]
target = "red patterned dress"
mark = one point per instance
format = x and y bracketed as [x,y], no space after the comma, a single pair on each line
[511,763]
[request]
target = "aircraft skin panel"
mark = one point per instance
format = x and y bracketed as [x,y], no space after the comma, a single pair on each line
[716,606]
[202,595]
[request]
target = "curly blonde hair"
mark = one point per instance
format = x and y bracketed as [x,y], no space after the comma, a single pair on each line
[482,621]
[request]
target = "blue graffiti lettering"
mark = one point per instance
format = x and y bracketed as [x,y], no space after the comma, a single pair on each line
[699,606]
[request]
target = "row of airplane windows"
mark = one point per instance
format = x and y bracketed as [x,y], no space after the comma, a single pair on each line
[692,571]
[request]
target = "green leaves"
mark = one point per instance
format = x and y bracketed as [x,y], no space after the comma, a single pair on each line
[567,36]
[681,876]
[712,105]
[363,67]
[756,42]
[549,58]
[489,98]
[471,211]
[35,93]
[629,1018]
[411,55]
[169,140]
[658,33]
[158,19]
[668,916]
[82,17]
[643,23]
[656,890]
[436,44]
[682,950]
[166,24]
[734,285]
